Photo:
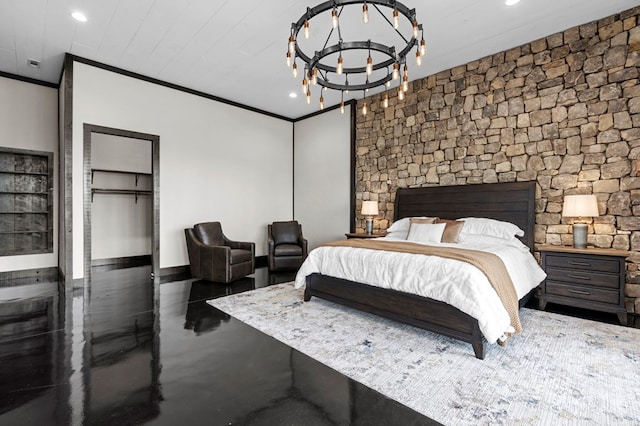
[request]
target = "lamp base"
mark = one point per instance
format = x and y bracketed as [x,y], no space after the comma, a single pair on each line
[580,235]
[369,226]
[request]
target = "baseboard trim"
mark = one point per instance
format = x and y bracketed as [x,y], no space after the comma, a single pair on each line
[29,276]
[123,262]
[175,273]
[183,272]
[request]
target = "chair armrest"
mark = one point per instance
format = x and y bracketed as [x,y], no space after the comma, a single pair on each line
[215,255]
[242,245]
[271,244]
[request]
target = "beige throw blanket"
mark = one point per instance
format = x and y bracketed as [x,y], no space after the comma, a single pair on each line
[490,264]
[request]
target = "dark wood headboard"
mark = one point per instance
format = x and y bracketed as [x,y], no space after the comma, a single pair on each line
[512,202]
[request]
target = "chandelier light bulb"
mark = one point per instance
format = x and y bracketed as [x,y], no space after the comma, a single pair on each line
[369,65]
[388,83]
[340,64]
[306,29]
[334,18]
[423,47]
[415,29]
[405,84]
[418,58]
[405,71]
[400,94]
[314,76]
[385,101]
[308,96]
[305,86]
[321,102]
[396,71]
[396,22]
[342,107]
[292,43]
[365,13]
[295,70]
[364,107]
[288,58]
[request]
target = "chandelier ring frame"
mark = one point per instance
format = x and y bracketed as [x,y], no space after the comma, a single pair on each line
[314,62]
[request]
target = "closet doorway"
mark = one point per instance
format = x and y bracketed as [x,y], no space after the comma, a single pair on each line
[121,199]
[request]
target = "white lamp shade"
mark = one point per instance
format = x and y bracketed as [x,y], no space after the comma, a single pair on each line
[369,208]
[580,206]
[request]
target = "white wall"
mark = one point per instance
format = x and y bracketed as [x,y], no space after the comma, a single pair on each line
[322,176]
[121,224]
[217,162]
[110,152]
[29,120]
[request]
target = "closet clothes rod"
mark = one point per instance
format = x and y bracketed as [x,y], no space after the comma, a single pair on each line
[135,192]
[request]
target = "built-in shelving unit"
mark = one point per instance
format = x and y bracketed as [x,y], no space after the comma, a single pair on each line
[120,191]
[26,205]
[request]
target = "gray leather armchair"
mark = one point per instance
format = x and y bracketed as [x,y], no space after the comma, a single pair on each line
[287,248]
[213,257]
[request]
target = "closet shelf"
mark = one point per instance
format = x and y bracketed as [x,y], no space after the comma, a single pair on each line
[136,174]
[16,212]
[135,192]
[27,232]
[13,172]
[26,192]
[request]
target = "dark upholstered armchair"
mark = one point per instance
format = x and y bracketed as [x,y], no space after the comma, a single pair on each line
[213,257]
[287,247]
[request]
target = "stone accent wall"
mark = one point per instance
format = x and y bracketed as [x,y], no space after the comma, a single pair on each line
[563,111]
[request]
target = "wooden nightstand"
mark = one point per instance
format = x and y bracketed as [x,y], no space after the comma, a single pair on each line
[589,278]
[362,235]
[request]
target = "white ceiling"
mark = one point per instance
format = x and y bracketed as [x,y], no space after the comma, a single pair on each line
[236,49]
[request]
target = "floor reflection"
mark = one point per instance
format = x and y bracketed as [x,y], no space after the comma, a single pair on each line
[202,317]
[122,380]
[27,350]
[124,351]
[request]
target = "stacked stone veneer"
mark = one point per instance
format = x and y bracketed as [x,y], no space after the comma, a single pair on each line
[563,111]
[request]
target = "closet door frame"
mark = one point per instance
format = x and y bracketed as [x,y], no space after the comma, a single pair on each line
[88,130]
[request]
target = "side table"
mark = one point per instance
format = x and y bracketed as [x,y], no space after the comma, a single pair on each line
[590,278]
[363,235]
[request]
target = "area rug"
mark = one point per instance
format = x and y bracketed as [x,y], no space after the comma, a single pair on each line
[560,370]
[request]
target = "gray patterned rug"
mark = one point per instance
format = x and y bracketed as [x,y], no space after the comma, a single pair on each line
[560,370]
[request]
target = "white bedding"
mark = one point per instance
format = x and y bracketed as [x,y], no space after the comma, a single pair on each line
[451,281]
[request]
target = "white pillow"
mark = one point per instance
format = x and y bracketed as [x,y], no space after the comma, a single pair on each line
[489,227]
[426,232]
[400,225]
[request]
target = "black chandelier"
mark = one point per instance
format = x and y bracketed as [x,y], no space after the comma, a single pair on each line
[327,66]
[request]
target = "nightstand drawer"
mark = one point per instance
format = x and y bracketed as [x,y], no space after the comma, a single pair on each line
[583,277]
[584,293]
[590,263]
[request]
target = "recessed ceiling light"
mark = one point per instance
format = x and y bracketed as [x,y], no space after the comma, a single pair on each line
[511,2]
[293,95]
[79,16]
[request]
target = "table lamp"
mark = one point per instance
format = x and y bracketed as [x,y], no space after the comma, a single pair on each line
[369,209]
[580,207]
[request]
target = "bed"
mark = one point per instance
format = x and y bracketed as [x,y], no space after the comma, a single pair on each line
[510,202]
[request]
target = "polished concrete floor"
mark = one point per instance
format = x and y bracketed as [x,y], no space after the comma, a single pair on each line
[124,352]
